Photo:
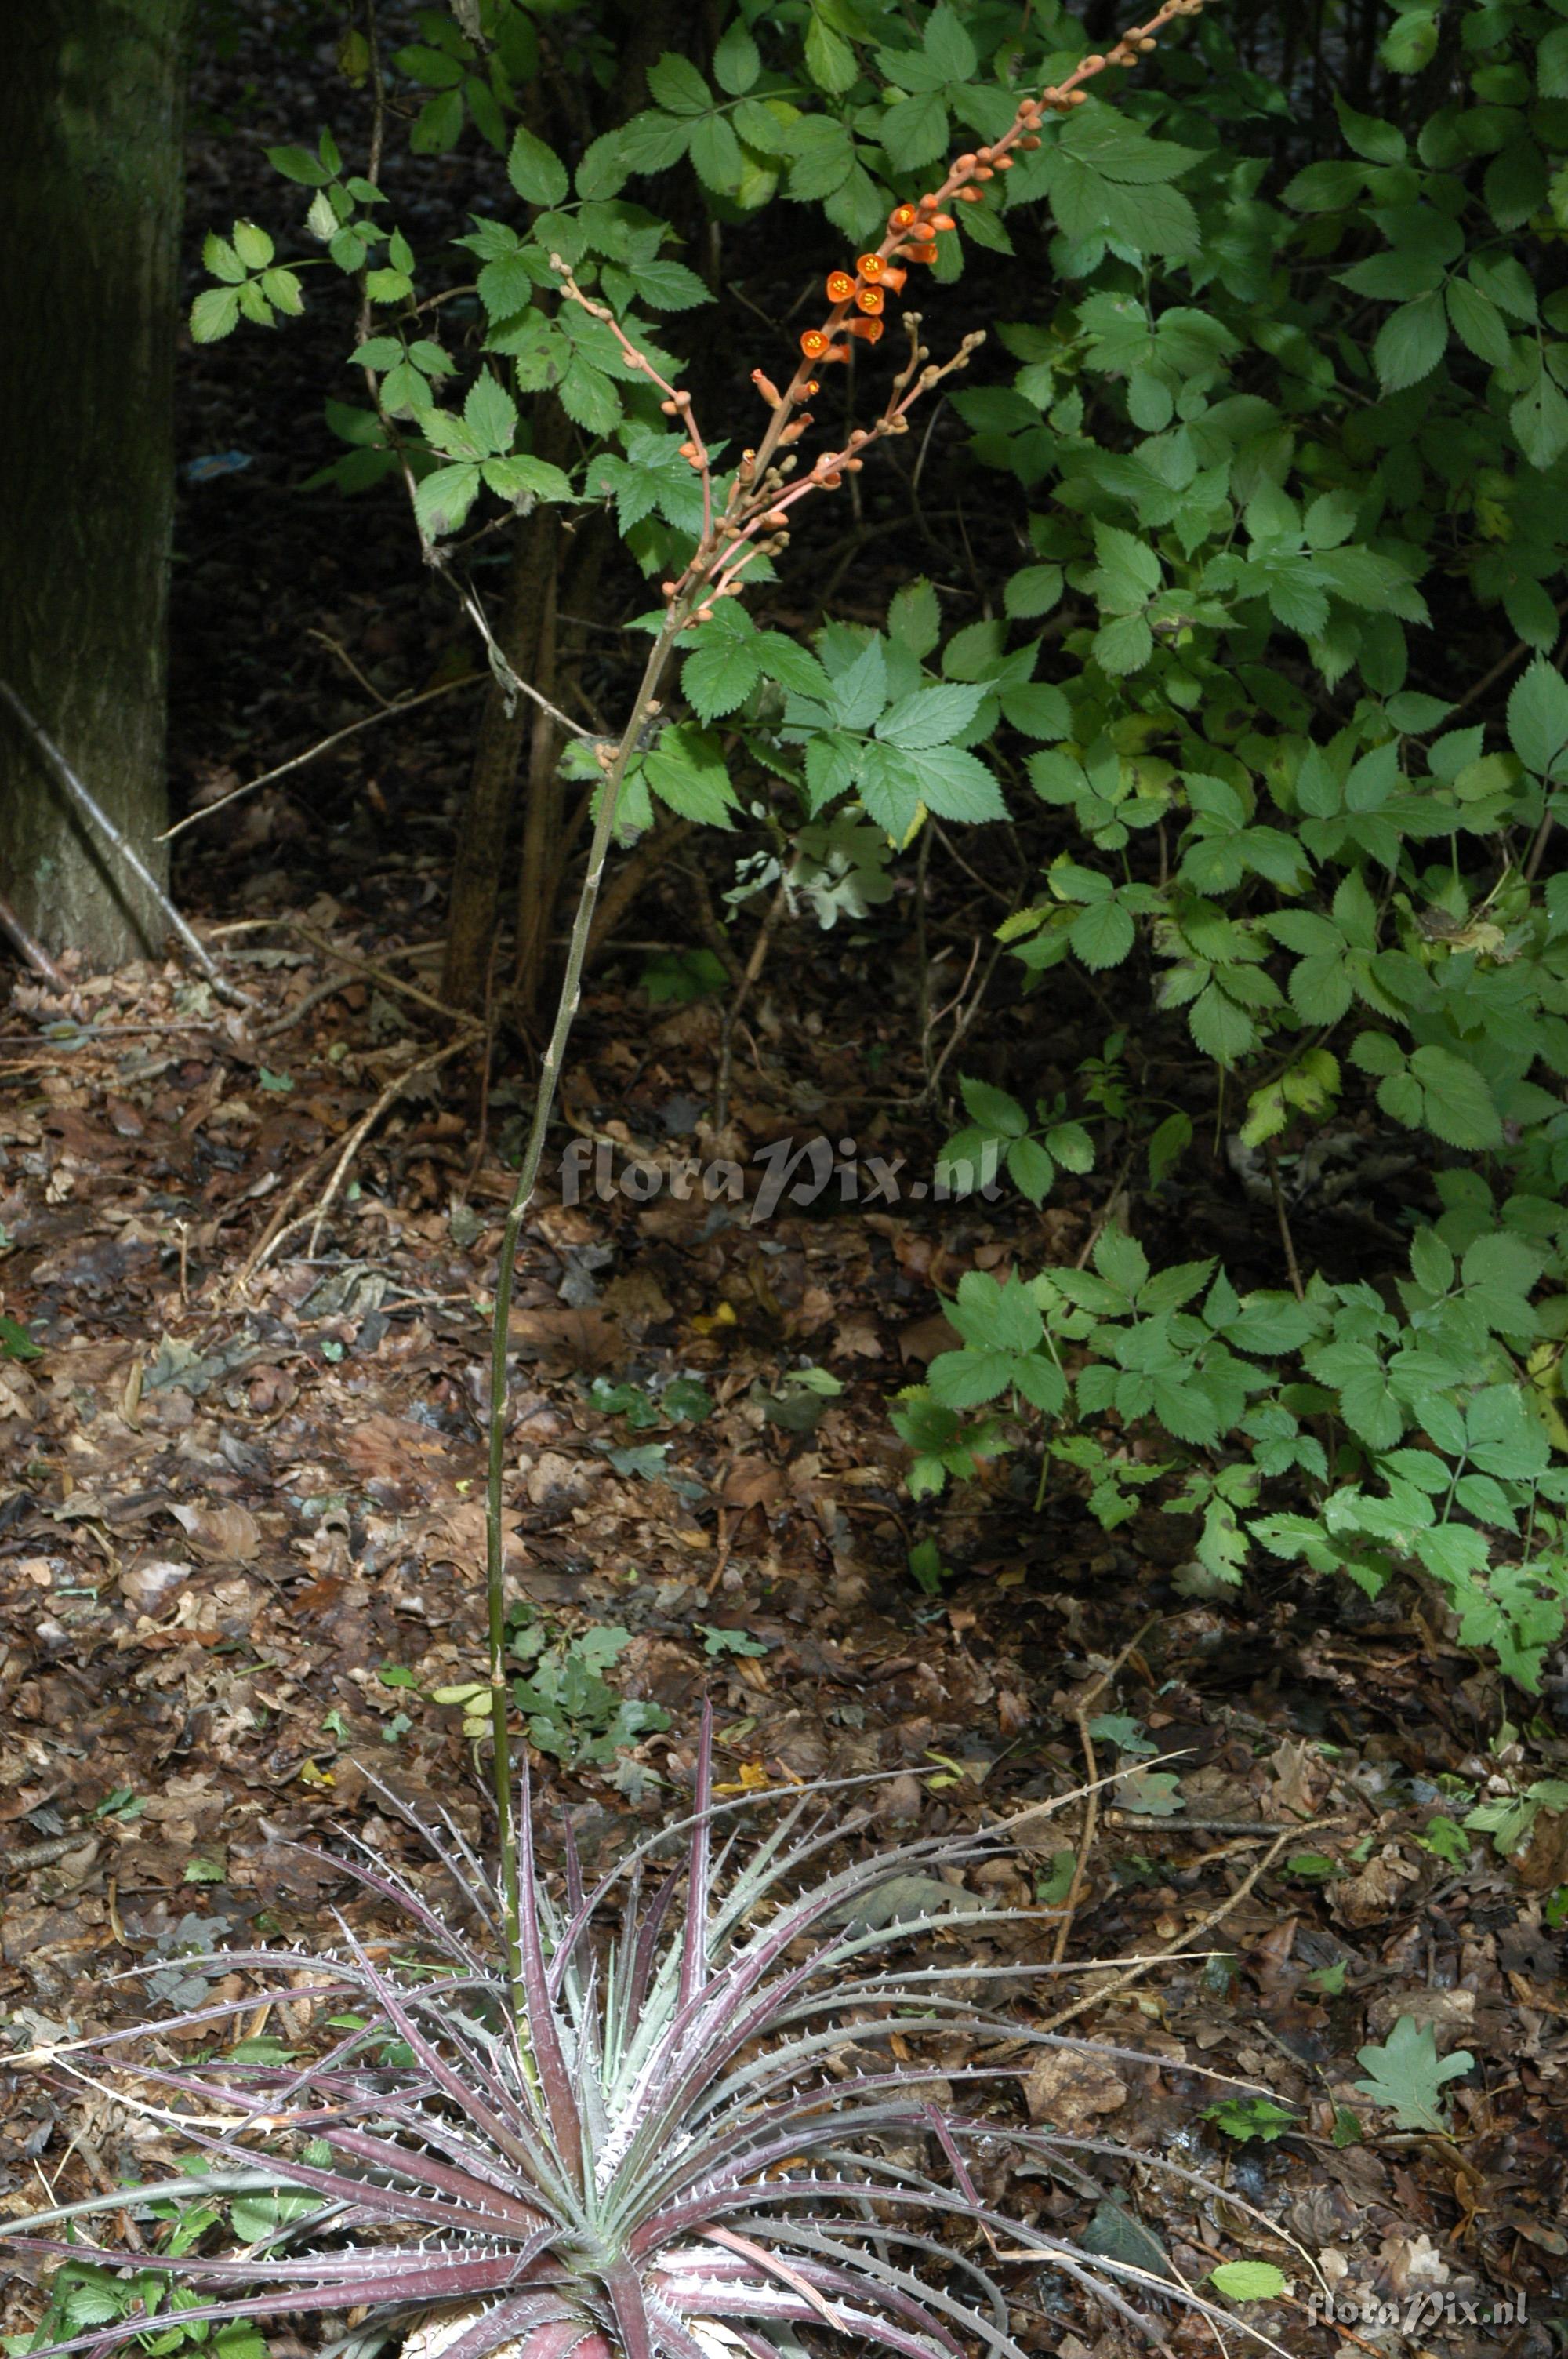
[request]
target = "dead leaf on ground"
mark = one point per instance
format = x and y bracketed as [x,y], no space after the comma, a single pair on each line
[1066,2089]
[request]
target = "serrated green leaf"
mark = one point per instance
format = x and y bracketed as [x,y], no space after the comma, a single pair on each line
[929,717]
[675,82]
[491,415]
[1248,2280]
[298,164]
[1410,342]
[443,499]
[1538,716]
[720,673]
[214,314]
[687,770]
[914,617]
[1102,934]
[992,1109]
[1406,2075]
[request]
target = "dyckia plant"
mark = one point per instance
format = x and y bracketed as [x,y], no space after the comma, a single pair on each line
[650,2156]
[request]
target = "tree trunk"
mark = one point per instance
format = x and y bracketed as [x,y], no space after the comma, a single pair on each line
[92,173]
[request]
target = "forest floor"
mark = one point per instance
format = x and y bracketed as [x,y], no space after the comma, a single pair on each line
[248,1255]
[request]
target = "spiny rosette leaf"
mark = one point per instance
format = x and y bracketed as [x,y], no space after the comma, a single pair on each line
[626,2145]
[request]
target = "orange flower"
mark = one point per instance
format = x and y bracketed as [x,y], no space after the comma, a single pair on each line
[837,352]
[841,287]
[814,344]
[807,389]
[893,277]
[924,252]
[872,267]
[868,329]
[902,217]
[869,299]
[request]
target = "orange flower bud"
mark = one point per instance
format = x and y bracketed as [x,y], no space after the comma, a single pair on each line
[807,389]
[831,480]
[1030,142]
[814,343]
[869,299]
[775,520]
[796,427]
[964,163]
[872,267]
[767,388]
[971,196]
[946,220]
[1004,163]
[841,287]
[902,217]
[836,352]
[868,329]
[893,277]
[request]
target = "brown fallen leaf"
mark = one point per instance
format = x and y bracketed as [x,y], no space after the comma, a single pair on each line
[218,1528]
[1066,2089]
[753,1483]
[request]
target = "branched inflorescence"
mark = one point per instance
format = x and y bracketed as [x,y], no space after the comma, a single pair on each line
[755,518]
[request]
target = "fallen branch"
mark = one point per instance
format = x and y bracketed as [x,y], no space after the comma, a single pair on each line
[91,809]
[33,952]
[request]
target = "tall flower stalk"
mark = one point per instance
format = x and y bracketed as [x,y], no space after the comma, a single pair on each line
[752,519]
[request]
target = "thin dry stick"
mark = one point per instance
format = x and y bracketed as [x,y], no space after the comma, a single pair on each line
[1286,1239]
[37,957]
[512,681]
[381,975]
[312,753]
[749,974]
[1114,1988]
[367,1123]
[279,1230]
[1091,1694]
[91,809]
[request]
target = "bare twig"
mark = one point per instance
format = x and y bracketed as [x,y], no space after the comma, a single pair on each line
[511,680]
[350,667]
[37,957]
[1286,1239]
[278,1236]
[93,810]
[376,973]
[1091,1694]
[313,753]
[1114,1988]
[749,974]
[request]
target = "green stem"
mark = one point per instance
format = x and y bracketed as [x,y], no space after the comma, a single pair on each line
[522,1197]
